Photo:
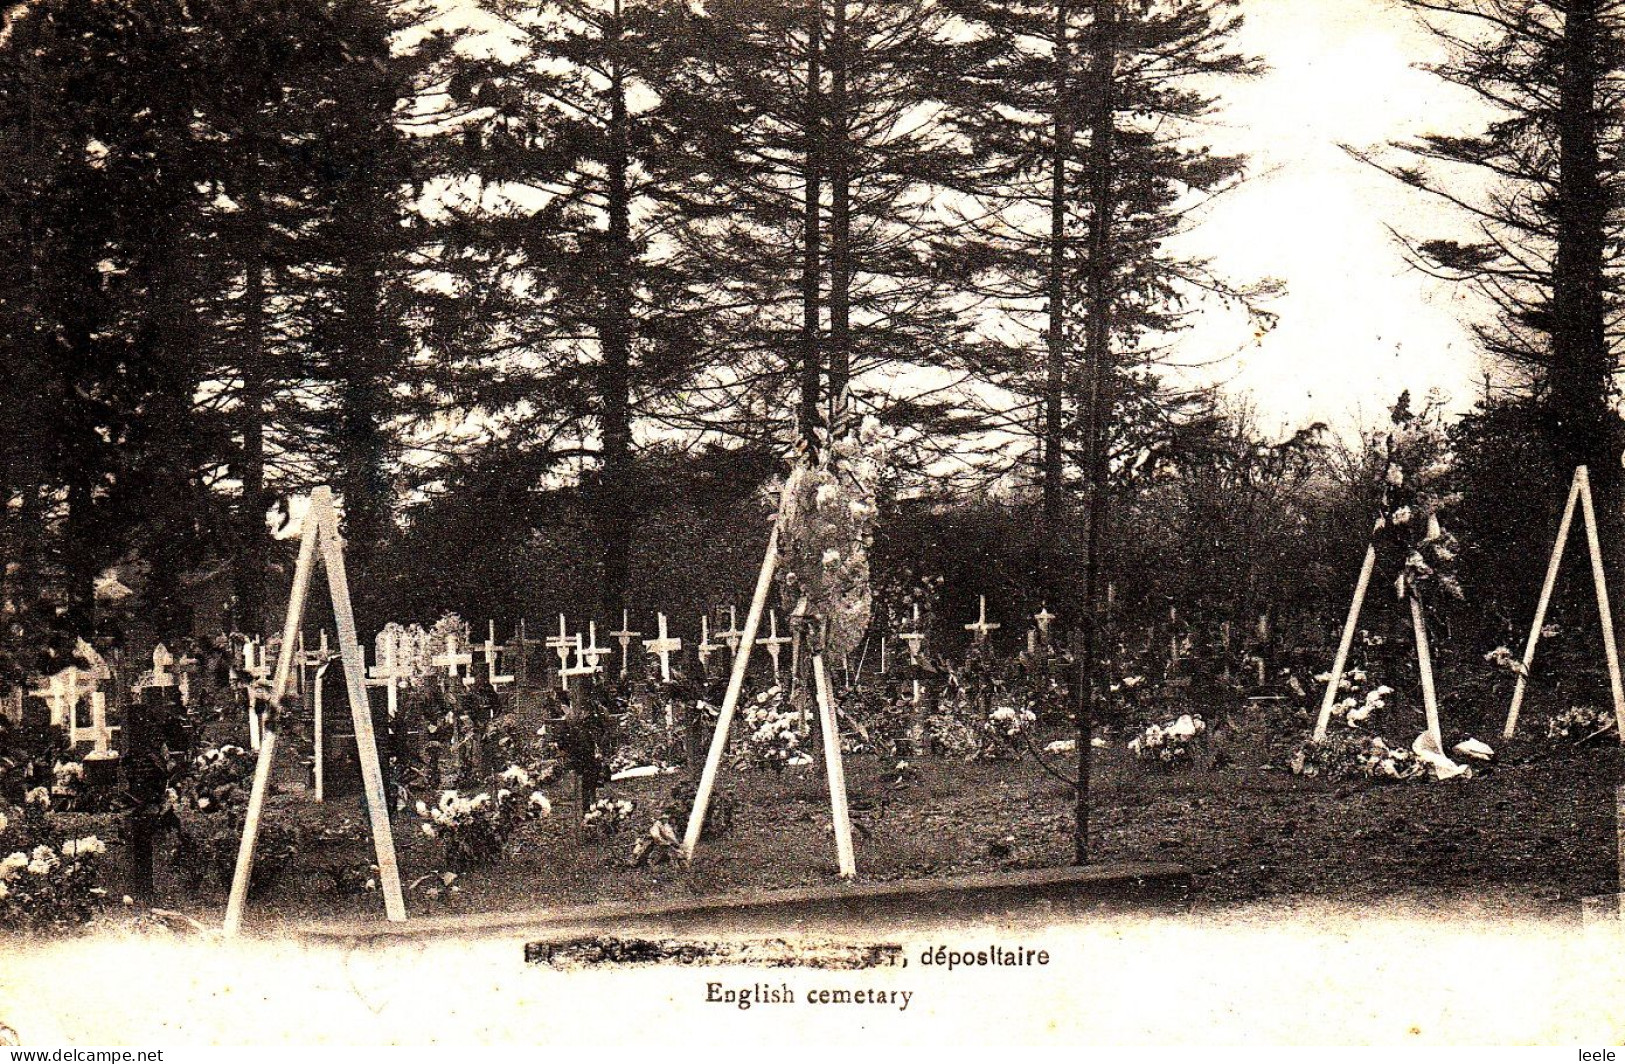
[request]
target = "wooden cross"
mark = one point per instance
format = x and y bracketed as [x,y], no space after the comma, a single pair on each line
[491,657]
[774,642]
[592,651]
[451,660]
[625,637]
[982,625]
[663,648]
[914,638]
[254,665]
[562,644]
[59,694]
[162,659]
[706,647]
[390,669]
[1043,618]
[101,735]
[733,635]
[583,666]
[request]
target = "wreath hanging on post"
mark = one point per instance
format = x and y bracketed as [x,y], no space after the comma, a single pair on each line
[1410,538]
[827,512]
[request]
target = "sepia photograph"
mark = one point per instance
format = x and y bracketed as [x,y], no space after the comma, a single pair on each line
[745,523]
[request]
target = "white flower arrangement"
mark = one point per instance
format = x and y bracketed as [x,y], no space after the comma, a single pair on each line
[1168,743]
[772,732]
[607,815]
[1011,721]
[475,828]
[1580,723]
[89,846]
[1502,658]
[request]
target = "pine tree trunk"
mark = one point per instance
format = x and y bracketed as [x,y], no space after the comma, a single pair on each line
[1053,502]
[840,225]
[1580,379]
[811,236]
[364,409]
[1097,355]
[615,335]
[252,554]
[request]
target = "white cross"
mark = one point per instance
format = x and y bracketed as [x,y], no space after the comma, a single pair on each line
[625,636]
[60,695]
[773,641]
[390,669]
[582,667]
[253,664]
[733,635]
[706,647]
[162,659]
[982,626]
[592,651]
[491,657]
[1043,617]
[562,644]
[100,734]
[451,660]
[914,638]
[663,648]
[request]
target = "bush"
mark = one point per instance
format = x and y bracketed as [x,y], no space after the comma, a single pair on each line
[474,830]
[47,883]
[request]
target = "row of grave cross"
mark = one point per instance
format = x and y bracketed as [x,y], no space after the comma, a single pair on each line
[578,658]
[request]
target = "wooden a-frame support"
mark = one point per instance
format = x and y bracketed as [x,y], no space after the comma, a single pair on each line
[839,814]
[1579,492]
[1424,655]
[321,531]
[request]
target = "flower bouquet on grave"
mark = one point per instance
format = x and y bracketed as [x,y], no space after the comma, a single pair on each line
[474,829]
[772,733]
[1359,696]
[1173,743]
[1581,724]
[1008,726]
[607,816]
[48,882]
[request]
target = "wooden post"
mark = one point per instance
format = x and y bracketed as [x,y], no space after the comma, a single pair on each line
[730,698]
[839,816]
[316,704]
[1604,612]
[1552,566]
[1424,666]
[1343,645]
[321,530]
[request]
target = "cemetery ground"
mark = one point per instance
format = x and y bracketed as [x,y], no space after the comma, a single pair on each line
[1533,831]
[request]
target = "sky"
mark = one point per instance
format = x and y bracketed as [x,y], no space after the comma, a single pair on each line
[1357,323]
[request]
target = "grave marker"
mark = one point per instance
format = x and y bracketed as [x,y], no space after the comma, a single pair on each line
[773,641]
[450,659]
[663,647]
[562,644]
[491,652]
[733,635]
[982,626]
[706,647]
[625,637]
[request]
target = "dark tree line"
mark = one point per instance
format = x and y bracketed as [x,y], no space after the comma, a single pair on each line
[513,291]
